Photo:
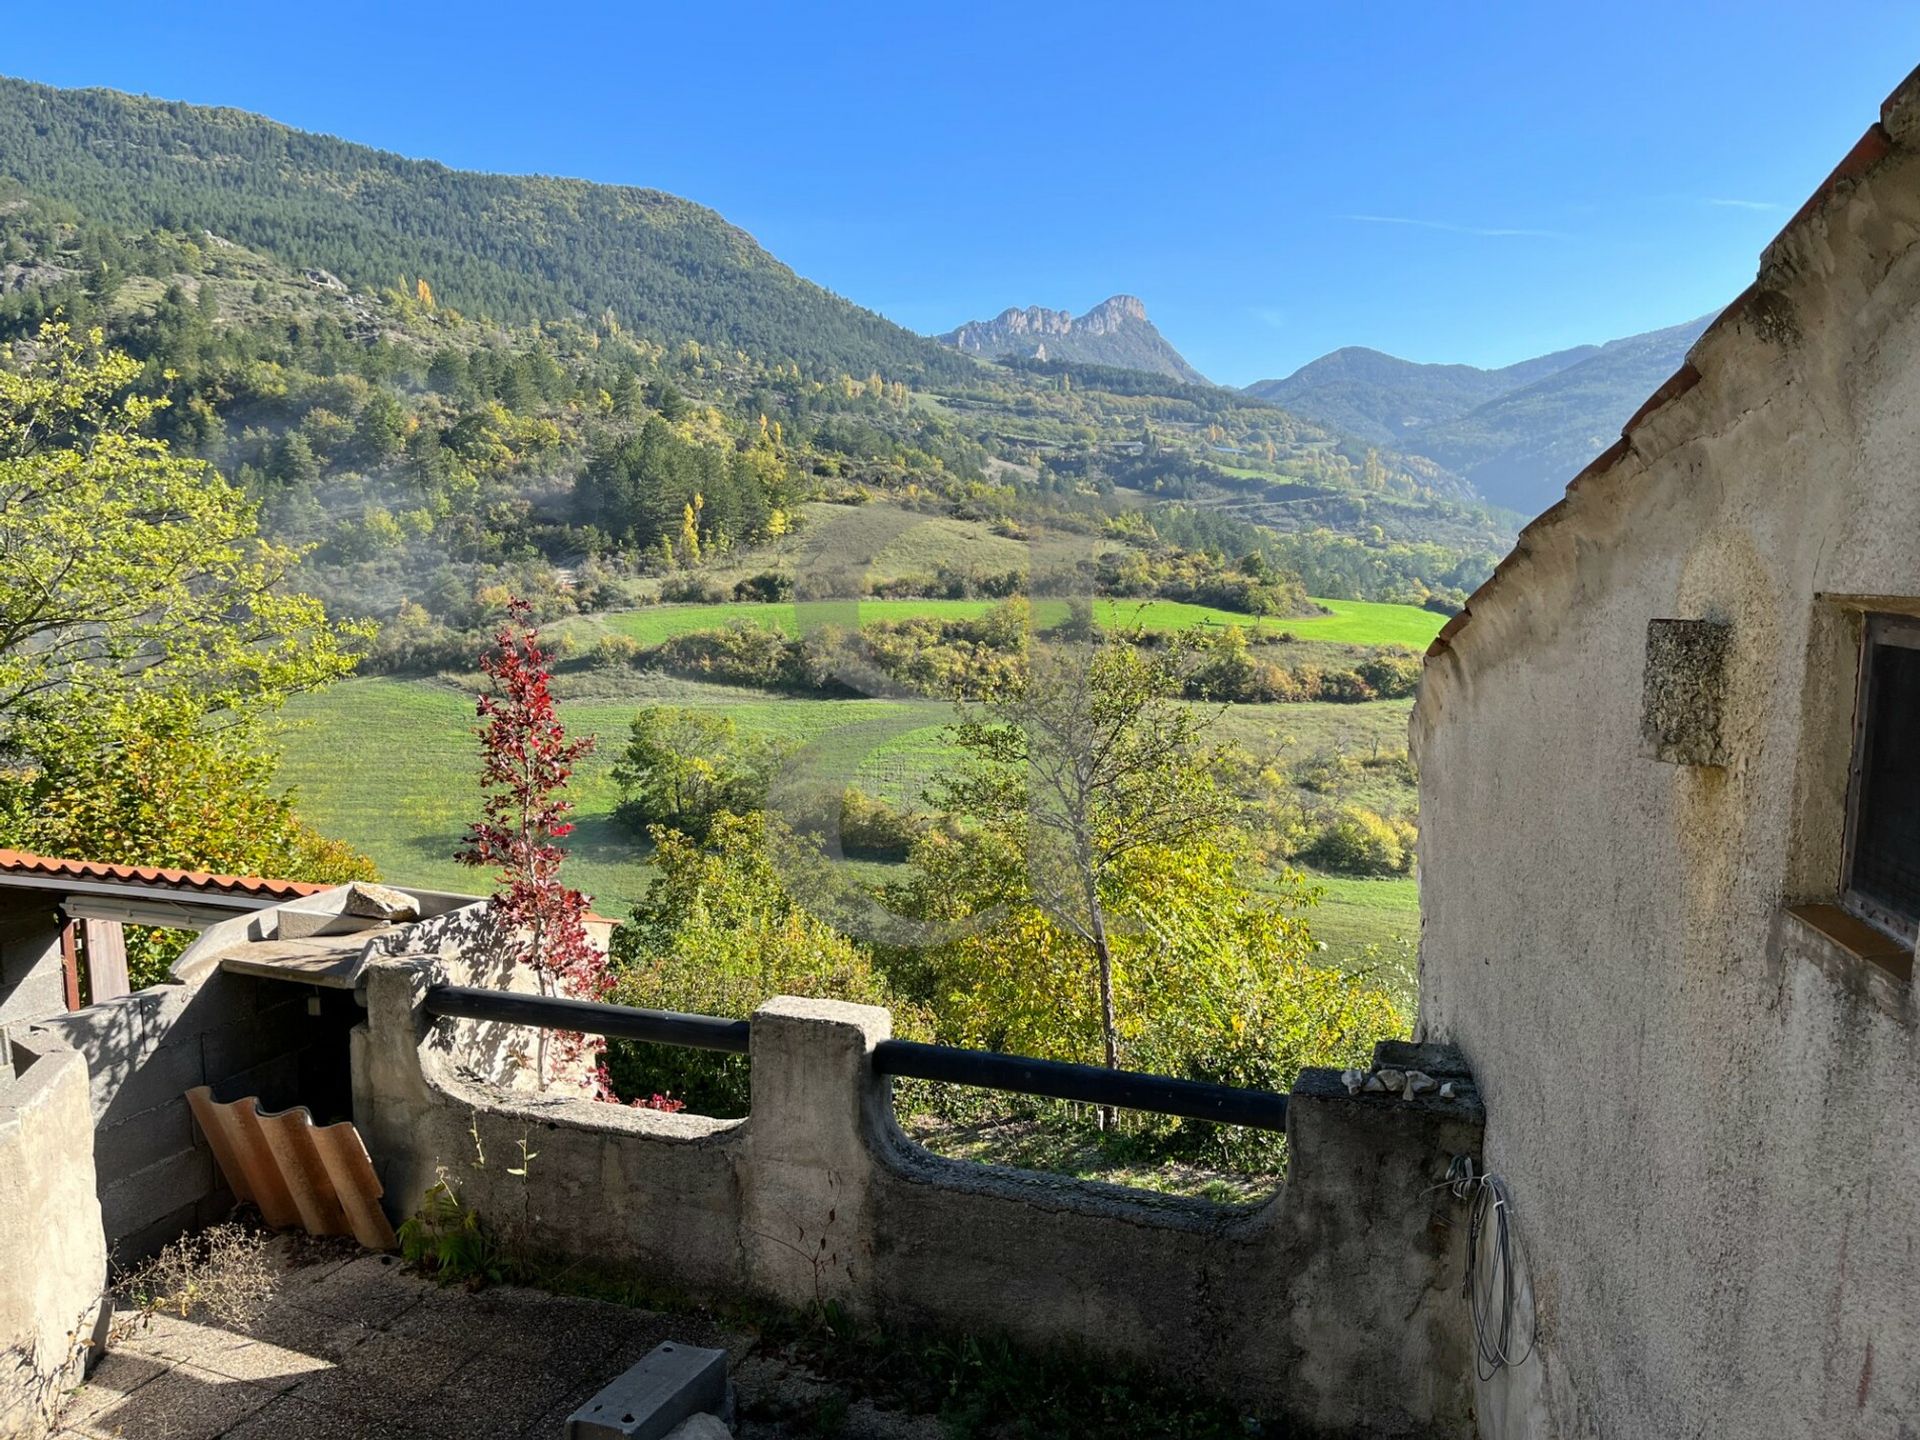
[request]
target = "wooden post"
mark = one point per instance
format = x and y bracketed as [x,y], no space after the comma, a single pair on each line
[106,946]
[70,962]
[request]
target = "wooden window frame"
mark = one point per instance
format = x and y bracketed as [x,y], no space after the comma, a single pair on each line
[1903,632]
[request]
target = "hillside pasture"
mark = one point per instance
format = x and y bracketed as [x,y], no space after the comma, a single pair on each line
[388,765]
[1350,622]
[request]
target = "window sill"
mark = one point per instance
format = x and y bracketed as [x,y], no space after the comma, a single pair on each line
[1856,956]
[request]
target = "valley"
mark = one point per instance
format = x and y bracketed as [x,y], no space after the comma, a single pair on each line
[786,544]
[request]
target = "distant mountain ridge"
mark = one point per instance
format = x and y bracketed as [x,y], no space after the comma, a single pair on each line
[1516,434]
[512,247]
[1115,332]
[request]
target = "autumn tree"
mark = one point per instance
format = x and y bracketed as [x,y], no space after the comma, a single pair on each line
[526,761]
[1086,763]
[126,568]
[146,639]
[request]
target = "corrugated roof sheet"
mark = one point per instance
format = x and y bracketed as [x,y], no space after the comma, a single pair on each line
[316,1177]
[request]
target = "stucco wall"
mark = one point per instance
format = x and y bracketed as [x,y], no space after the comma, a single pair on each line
[52,1257]
[1703,1110]
[1336,1303]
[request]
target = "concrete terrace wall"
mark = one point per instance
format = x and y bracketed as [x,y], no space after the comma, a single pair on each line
[240,1035]
[53,1264]
[1702,1106]
[144,1051]
[1336,1303]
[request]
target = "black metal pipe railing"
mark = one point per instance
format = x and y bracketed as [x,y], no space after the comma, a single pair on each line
[908,1059]
[1090,1084]
[590,1017]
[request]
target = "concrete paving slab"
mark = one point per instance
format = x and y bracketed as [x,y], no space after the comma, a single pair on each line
[185,1403]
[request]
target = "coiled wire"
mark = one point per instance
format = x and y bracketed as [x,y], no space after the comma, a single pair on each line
[1491,1287]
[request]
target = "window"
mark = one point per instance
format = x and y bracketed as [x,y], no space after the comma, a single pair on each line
[1883,811]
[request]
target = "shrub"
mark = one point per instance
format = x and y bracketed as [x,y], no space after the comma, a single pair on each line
[1356,841]
[684,768]
[718,933]
[1391,672]
[871,829]
[611,652]
[692,590]
[766,588]
[739,653]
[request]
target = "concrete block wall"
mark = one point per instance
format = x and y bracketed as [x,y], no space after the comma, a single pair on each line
[32,983]
[144,1051]
[53,1262]
[1335,1304]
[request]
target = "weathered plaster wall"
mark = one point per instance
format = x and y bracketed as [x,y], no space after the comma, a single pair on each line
[1336,1303]
[1704,1114]
[53,1263]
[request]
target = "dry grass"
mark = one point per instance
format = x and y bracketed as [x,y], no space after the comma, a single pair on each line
[223,1273]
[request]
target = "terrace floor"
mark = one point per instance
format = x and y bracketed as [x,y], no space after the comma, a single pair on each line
[353,1345]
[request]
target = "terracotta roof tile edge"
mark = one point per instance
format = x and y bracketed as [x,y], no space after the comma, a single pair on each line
[1869,150]
[21,862]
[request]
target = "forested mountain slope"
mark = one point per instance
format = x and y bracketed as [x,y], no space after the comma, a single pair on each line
[516,248]
[1382,398]
[1520,449]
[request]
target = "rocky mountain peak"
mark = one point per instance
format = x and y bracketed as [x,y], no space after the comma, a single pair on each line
[1114,332]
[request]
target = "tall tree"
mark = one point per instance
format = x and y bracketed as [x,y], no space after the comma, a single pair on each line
[1085,762]
[126,568]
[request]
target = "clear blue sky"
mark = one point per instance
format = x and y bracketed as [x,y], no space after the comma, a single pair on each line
[1475,182]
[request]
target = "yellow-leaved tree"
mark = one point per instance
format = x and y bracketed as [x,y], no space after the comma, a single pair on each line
[147,636]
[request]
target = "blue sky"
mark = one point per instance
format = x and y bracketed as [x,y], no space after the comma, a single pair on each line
[1472,182]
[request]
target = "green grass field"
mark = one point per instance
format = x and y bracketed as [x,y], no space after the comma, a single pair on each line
[387,765]
[1351,622]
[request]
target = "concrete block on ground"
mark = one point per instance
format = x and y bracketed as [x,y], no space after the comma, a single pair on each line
[672,1385]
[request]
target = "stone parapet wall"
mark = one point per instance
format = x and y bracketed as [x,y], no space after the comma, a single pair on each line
[1336,1303]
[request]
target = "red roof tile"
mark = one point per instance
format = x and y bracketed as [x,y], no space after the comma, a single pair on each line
[19,862]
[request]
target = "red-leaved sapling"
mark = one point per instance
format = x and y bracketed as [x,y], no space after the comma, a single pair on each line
[526,761]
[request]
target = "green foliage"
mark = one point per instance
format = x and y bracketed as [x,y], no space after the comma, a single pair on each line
[719,933]
[517,247]
[127,569]
[1355,841]
[447,1239]
[682,769]
[871,829]
[1210,981]
[143,641]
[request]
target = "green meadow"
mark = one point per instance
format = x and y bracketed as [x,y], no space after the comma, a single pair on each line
[388,764]
[1349,622]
